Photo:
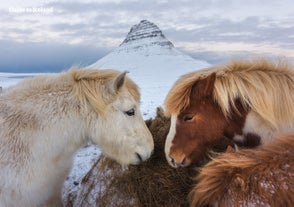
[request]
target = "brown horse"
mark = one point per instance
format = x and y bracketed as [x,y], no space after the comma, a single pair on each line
[249,177]
[243,100]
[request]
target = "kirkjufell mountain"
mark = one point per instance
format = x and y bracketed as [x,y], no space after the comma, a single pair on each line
[146,30]
[144,46]
[149,57]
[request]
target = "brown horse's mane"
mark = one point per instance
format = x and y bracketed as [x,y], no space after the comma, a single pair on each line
[265,86]
[91,86]
[259,175]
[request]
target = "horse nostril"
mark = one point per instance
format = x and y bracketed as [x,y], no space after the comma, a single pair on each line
[176,163]
[172,160]
[183,161]
[139,156]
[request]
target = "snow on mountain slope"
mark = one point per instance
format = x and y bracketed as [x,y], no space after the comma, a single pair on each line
[153,62]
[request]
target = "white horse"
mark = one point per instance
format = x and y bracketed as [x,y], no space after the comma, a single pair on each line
[45,119]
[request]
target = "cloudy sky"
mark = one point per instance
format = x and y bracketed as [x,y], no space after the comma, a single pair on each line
[51,35]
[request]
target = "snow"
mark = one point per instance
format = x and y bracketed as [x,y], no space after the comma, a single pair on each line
[8,79]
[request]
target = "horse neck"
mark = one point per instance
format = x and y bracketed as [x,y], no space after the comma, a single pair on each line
[55,108]
[237,127]
[236,120]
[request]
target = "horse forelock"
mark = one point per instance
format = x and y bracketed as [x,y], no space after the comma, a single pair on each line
[92,85]
[178,98]
[264,86]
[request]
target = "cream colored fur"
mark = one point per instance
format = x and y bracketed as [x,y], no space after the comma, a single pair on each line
[266,87]
[44,120]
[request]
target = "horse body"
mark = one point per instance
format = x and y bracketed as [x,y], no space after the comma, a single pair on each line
[249,102]
[44,120]
[249,177]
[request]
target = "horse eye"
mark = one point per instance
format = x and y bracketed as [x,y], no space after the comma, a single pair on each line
[188,118]
[130,112]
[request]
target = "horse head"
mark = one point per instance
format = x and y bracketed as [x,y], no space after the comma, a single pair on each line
[118,126]
[201,125]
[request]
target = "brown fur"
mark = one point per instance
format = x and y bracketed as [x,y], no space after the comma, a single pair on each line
[265,86]
[250,177]
[202,125]
[242,100]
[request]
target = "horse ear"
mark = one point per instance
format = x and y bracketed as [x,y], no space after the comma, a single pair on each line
[118,82]
[204,87]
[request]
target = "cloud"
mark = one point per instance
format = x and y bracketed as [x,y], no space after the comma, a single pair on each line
[215,29]
[44,57]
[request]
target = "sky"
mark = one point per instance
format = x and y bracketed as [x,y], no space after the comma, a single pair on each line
[51,35]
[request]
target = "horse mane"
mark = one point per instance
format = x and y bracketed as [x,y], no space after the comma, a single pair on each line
[249,176]
[92,85]
[265,86]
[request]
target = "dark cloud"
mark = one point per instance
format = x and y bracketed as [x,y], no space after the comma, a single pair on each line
[45,57]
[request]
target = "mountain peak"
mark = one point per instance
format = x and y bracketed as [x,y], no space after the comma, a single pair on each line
[148,33]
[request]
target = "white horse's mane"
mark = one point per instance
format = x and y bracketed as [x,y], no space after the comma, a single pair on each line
[90,86]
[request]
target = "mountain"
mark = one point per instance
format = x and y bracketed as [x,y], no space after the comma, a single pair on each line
[145,30]
[153,62]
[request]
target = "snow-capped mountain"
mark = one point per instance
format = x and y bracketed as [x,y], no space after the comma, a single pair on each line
[153,62]
[145,30]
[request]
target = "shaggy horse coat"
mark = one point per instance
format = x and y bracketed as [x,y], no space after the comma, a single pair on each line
[44,120]
[249,177]
[250,102]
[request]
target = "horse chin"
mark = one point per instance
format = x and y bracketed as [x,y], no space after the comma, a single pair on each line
[134,158]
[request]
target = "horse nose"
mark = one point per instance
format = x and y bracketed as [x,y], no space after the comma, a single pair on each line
[178,161]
